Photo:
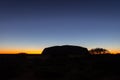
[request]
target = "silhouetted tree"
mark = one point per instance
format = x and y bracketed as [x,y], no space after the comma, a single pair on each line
[99,51]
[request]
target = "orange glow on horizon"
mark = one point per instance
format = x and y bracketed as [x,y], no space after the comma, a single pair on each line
[32,51]
[114,51]
[20,51]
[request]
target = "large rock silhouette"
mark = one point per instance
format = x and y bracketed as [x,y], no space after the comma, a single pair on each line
[65,50]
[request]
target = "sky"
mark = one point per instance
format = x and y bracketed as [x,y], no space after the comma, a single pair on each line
[32,25]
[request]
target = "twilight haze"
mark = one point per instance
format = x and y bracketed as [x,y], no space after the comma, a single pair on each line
[31,25]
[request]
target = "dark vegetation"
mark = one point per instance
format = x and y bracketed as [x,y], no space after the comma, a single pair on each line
[60,63]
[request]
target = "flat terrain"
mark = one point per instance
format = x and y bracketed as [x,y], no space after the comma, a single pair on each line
[37,67]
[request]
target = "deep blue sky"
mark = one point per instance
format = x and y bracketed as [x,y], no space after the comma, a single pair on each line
[36,24]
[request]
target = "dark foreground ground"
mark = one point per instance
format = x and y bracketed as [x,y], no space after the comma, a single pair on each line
[36,67]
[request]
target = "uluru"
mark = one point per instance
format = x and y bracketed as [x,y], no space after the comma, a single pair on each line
[65,50]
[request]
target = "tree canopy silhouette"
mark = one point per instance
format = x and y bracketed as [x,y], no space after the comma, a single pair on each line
[99,51]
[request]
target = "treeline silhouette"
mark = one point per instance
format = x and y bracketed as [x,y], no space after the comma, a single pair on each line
[65,62]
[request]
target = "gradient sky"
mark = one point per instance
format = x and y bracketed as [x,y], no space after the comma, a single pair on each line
[32,25]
